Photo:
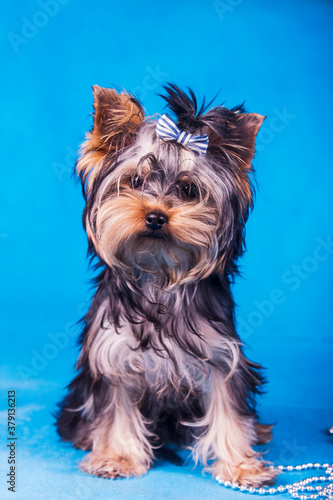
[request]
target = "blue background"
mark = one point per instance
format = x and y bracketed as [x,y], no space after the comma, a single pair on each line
[277,56]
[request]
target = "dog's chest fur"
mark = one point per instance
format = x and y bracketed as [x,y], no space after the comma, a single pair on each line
[151,360]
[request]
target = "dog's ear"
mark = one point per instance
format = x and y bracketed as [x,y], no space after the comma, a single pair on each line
[247,126]
[235,133]
[117,118]
[232,135]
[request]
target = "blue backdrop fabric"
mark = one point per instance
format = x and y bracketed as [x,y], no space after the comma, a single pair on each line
[275,56]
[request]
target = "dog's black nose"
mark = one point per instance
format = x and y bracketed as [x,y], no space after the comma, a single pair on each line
[156,220]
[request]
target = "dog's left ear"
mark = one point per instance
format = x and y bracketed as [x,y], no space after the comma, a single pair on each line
[117,118]
[235,132]
[247,126]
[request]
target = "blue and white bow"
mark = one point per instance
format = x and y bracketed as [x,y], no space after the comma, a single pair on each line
[167,130]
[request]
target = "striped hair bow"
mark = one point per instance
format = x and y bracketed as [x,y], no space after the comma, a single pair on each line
[167,130]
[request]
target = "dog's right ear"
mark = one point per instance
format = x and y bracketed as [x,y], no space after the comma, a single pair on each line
[117,118]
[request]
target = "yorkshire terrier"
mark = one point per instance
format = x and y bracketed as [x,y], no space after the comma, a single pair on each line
[166,204]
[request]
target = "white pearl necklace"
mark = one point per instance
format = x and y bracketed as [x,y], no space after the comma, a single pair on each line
[297,489]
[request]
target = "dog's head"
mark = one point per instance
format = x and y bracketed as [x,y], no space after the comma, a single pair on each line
[159,210]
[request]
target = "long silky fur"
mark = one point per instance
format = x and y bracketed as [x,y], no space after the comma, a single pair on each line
[159,338]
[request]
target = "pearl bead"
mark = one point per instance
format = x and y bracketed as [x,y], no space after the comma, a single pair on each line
[251,490]
[316,465]
[290,467]
[280,467]
[298,467]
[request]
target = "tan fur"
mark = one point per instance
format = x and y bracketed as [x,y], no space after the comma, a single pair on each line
[193,224]
[228,439]
[120,445]
[252,472]
[112,466]
[116,120]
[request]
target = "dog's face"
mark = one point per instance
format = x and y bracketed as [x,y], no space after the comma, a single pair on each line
[156,210]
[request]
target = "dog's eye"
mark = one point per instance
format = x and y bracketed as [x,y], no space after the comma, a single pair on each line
[188,190]
[136,182]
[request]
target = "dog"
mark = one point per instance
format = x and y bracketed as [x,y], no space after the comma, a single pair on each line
[167,200]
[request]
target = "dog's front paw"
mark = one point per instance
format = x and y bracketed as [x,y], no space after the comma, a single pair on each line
[253,473]
[112,466]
